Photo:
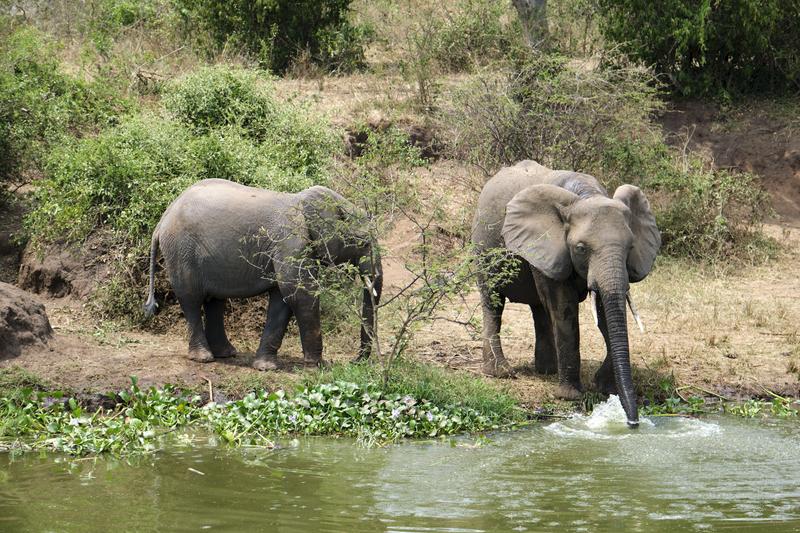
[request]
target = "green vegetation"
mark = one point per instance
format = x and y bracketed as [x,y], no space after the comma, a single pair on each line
[218,123]
[144,418]
[710,48]
[440,387]
[601,121]
[40,105]
[277,32]
[228,124]
[673,400]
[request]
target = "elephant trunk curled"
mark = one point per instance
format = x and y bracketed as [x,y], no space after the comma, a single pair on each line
[371,272]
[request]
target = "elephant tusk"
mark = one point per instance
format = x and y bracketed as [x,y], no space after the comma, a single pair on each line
[634,312]
[594,307]
[370,286]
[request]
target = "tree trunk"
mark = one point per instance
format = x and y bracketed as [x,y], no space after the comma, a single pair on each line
[533,16]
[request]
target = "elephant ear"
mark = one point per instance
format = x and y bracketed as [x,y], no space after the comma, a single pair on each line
[534,228]
[646,237]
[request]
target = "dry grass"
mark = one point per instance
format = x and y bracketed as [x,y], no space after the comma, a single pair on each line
[735,332]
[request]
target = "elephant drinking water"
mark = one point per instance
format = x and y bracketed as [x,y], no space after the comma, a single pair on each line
[223,240]
[570,240]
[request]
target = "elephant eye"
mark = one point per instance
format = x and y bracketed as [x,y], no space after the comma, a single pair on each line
[580,248]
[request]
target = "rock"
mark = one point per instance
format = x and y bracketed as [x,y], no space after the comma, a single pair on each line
[60,270]
[23,321]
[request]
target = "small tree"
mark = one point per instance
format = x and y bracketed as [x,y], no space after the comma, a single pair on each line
[708,47]
[533,16]
[276,32]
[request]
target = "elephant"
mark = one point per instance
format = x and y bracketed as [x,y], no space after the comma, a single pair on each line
[567,238]
[221,239]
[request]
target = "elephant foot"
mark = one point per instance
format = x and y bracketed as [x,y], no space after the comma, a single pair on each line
[265,363]
[546,366]
[569,391]
[604,382]
[498,368]
[606,386]
[224,351]
[201,355]
[318,363]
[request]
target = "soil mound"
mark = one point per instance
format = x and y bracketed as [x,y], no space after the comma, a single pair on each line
[760,140]
[60,270]
[23,321]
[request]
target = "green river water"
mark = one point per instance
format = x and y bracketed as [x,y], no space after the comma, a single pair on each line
[583,474]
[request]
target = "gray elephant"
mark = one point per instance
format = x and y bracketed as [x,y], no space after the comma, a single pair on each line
[569,239]
[221,240]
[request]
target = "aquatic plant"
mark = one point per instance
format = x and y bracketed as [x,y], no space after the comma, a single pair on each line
[677,404]
[31,420]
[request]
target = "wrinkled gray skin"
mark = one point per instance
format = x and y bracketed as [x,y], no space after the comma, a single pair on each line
[570,238]
[223,240]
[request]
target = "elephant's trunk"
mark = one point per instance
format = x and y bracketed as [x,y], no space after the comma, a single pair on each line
[371,272]
[614,307]
[608,275]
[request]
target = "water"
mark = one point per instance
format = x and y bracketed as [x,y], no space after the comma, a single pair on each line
[583,474]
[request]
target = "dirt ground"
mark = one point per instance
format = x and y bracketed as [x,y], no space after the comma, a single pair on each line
[733,332]
[756,137]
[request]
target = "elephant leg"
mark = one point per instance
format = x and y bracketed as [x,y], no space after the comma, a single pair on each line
[215,329]
[544,355]
[494,361]
[561,303]
[198,344]
[604,377]
[305,307]
[278,316]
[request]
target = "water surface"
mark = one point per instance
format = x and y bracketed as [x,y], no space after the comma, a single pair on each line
[584,474]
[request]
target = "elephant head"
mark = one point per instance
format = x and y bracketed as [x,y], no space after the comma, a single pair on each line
[339,233]
[609,242]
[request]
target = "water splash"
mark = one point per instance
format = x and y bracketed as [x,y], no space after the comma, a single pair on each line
[608,421]
[610,414]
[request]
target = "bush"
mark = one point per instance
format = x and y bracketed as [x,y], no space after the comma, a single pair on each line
[703,214]
[238,100]
[224,124]
[598,121]
[278,31]
[39,104]
[711,47]
[469,32]
[548,111]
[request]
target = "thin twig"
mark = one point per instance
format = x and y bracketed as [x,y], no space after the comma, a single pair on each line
[701,389]
[210,390]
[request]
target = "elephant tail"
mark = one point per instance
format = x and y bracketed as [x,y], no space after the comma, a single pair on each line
[151,306]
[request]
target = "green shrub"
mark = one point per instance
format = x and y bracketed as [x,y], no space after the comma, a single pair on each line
[276,32]
[598,121]
[39,104]
[548,111]
[469,32]
[109,17]
[711,47]
[227,124]
[703,214]
[223,97]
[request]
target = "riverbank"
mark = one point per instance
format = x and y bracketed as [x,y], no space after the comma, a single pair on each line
[719,332]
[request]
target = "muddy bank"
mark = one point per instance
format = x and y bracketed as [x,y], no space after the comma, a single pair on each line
[757,137]
[23,322]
